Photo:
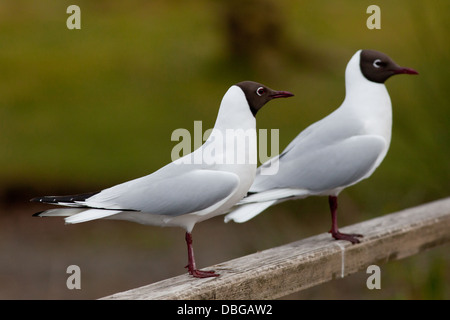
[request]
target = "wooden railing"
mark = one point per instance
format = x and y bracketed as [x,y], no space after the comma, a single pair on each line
[279,271]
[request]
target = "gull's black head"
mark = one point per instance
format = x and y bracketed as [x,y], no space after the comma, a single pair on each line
[258,95]
[378,67]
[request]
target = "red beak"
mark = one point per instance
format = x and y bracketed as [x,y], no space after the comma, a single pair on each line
[281,94]
[403,70]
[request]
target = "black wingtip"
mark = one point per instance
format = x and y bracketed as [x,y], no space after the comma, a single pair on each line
[69,198]
[38,214]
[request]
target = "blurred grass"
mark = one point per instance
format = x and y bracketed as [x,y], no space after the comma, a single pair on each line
[85,109]
[97,106]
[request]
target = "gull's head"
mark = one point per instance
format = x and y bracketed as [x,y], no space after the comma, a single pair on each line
[258,95]
[378,67]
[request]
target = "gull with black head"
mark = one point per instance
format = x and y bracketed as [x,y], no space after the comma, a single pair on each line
[336,152]
[183,192]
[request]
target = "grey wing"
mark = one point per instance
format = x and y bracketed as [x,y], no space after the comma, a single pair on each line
[175,195]
[325,167]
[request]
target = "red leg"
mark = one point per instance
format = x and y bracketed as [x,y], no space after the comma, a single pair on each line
[191,262]
[352,237]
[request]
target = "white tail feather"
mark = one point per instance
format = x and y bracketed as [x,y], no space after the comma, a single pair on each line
[65,212]
[275,194]
[248,211]
[90,214]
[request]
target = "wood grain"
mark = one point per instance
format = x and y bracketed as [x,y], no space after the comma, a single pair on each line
[279,271]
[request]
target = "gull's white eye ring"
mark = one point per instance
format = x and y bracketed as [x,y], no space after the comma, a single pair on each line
[260,91]
[377,63]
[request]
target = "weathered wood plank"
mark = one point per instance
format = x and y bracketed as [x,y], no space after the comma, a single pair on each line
[279,271]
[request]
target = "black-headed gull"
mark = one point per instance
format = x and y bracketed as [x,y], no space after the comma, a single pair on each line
[336,152]
[193,188]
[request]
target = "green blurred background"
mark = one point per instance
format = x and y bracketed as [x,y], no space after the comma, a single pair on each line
[81,110]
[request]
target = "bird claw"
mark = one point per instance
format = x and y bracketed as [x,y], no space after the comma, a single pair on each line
[352,237]
[196,273]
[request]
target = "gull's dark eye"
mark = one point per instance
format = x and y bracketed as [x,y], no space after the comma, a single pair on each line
[378,63]
[260,91]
